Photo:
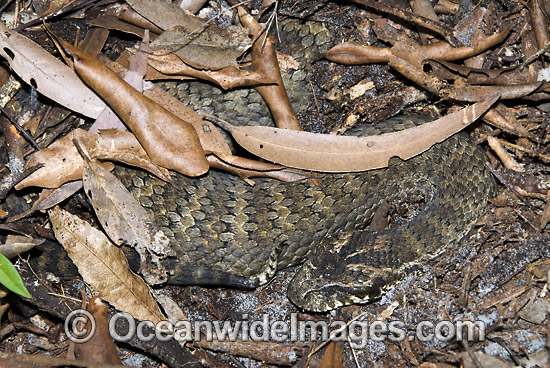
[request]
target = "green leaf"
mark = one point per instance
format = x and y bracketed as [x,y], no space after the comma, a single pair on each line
[10,278]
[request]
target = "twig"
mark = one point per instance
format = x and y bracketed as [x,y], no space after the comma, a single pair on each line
[427,23]
[20,128]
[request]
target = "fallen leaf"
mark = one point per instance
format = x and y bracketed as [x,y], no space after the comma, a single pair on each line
[60,163]
[125,221]
[17,244]
[332,358]
[134,77]
[210,138]
[49,198]
[165,15]
[48,75]
[104,266]
[100,349]
[228,77]
[169,141]
[264,61]
[330,153]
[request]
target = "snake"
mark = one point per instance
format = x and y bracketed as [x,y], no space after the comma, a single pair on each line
[226,232]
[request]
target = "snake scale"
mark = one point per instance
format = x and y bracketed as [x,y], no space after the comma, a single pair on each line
[226,232]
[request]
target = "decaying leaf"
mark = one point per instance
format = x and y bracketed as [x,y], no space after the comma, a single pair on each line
[60,163]
[353,53]
[104,266]
[212,48]
[330,153]
[332,358]
[122,146]
[47,74]
[169,141]
[210,138]
[134,77]
[125,220]
[17,244]
[264,61]
[165,15]
[100,349]
[49,198]
[228,77]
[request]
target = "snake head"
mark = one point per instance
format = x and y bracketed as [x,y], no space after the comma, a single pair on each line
[343,277]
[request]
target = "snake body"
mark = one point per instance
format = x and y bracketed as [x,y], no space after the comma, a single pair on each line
[225,232]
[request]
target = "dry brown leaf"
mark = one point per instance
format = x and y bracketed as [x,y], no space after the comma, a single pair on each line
[210,138]
[212,48]
[100,349]
[47,74]
[165,15]
[247,168]
[60,162]
[127,14]
[264,61]
[122,146]
[169,141]
[125,221]
[228,77]
[104,266]
[330,153]
[353,53]
[464,92]
[112,22]
[134,77]
[17,244]
[49,198]
[332,358]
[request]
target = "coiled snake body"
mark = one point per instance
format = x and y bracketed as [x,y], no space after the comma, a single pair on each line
[226,232]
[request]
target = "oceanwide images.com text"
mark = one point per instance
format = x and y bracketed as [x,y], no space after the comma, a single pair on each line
[357,333]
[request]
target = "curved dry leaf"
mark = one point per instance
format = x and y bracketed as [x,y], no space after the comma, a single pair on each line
[125,221]
[443,51]
[17,244]
[49,198]
[264,61]
[210,138]
[104,266]
[330,153]
[165,15]
[354,53]
[134,77]
[228,77]
[169,141]
[60,162]
[47,74]
[477,93]
[246,168]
